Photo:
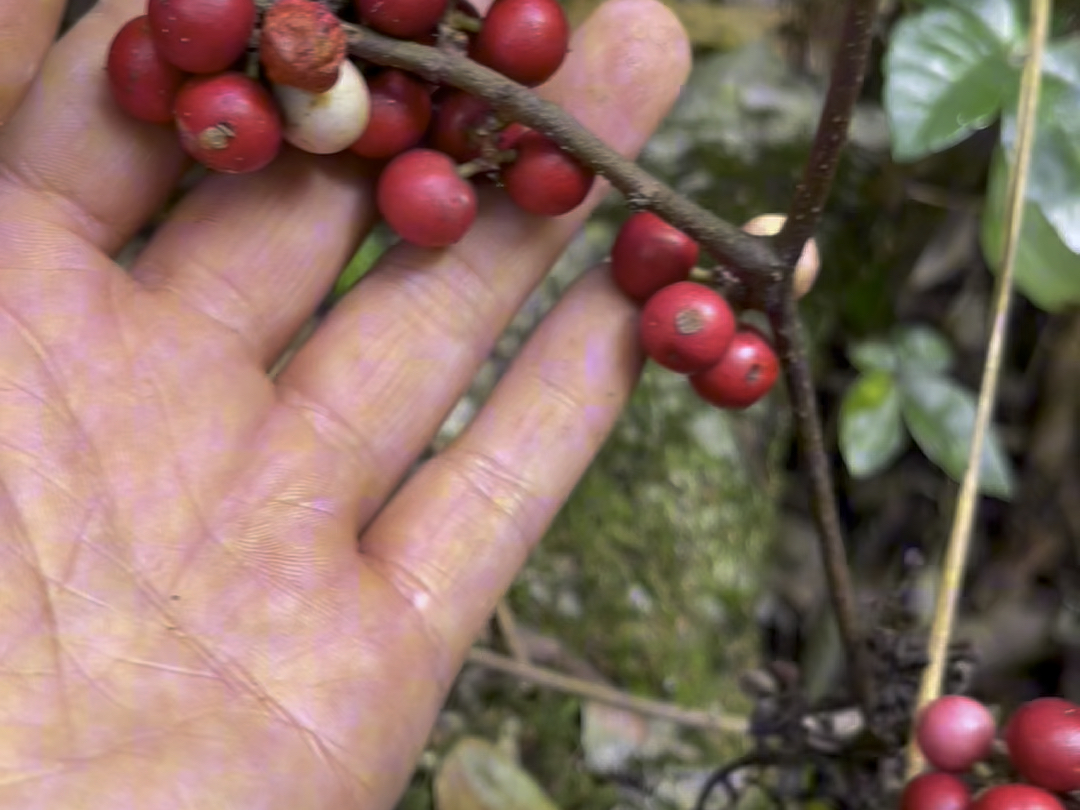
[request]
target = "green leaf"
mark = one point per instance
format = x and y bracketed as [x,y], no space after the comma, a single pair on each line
[941,417]
[872,433]
[874,355]
[1007,19]
[363,260]
[1054,179]
[1047,272]
[922,348]
[1061,61]
[947,72]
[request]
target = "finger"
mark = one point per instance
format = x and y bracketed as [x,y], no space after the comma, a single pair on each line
[70,160]
[393,357]
[256,253]
[452,540]
[26,31]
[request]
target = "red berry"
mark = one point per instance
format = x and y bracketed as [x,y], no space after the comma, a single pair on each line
[405,19]
[400,113]
[935,791]
[954,732]
[649,254]
[143,84]
[508,138]
[525,40]
[228,122]
[422,197]
[201,36]
[458,117]
[744,375]
[1043,737]
[1016,797]
[302,45]
[543,179]
[686,327]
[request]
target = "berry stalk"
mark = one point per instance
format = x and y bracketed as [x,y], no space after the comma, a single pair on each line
[725,241]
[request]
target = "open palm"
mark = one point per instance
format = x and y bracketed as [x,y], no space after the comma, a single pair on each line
[187,617]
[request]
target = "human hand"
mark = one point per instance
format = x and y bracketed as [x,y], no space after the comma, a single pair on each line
[188,619]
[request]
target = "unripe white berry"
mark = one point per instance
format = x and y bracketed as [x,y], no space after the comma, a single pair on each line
[806,269]
[325,123]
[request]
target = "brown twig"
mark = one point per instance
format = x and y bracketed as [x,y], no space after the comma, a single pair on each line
[848,72]
[790,344]
[723,240]
[550,679]
[507,624]
[845,85]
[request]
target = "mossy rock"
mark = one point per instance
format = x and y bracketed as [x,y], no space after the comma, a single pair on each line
[653,567]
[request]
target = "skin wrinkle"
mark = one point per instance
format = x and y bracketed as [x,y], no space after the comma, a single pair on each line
[74,219]
[282,234]
[45,600]
[206,531]
[447,303]
[416,596]
[165,615]
[52,625]
[330,428]
[234,325]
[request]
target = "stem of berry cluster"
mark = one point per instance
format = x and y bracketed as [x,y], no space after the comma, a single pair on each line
[726,242]
[845,85]
[763,264]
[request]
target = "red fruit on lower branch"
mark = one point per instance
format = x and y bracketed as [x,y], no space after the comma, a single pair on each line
[201,36]
[686,327]
[1043,737]
[1017,797]
[509,136]
[544,179]
[424,200]
[141,81]
[405,19]
[954,732]
[649,254]
[746,372]
[525,40]
[302,45]
[400,114]
[228,122]
[459,120]
[935,791]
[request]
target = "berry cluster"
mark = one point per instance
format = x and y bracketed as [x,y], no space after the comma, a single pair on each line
[690,328]
[194,64]
[954,733]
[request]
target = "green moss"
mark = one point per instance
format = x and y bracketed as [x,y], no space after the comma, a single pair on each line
[653,567]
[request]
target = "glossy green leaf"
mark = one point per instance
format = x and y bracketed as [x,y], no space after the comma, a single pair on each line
[1054,179]
[1047,272]
[941,416]
[873,355]
[1007,19]
[872,432]
[923,348]
[947,73]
